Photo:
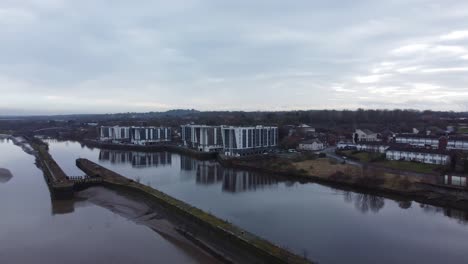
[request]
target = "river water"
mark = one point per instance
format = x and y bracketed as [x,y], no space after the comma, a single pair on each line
[33,229]
[325,224]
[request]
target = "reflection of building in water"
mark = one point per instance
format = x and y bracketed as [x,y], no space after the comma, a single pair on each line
[187,163]
[137,159]
[459,215]
[211,172]
[237,181]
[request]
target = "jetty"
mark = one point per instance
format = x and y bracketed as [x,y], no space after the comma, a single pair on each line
[225,241]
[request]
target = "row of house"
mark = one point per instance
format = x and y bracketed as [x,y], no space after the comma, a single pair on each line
[231,141]
[135,135]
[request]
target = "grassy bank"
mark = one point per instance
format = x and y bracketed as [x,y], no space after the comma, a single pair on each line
[379,160]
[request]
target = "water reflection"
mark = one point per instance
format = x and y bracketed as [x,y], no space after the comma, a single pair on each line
[459,215]
[364,202]
[137,159]
[5,175]
[211,172]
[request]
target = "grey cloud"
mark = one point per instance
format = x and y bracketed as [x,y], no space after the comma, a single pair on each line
[108,56]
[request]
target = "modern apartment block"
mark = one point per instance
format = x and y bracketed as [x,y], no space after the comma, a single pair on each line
[149,135]
[202,138]
[135,135]
[114,133]
[241,141]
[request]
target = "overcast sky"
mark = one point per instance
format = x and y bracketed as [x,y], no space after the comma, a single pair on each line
[98,56]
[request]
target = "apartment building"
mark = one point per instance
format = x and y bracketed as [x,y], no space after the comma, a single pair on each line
[202,137]
[241,141]
[135,135]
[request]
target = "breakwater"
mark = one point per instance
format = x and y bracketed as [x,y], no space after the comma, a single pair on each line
[233,241]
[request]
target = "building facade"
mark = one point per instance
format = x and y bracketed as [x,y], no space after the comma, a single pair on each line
[202,138]
[311,145]
[149,135]
[457,143]
[418,140]
[423,155]
[241,141]
[365,135]
[377,147]
[135,135]
[114,133]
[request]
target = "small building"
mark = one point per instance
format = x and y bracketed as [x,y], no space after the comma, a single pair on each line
[365,135]
[342,145]
[311,145]
[423,155]
[370,146]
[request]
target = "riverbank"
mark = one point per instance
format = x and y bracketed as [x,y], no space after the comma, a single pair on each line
[228,238]
[329,172]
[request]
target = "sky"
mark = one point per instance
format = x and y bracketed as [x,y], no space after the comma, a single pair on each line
[105,56]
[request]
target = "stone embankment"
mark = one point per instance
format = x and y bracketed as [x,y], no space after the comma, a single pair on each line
[252,248]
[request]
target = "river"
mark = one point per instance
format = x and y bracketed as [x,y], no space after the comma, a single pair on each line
[325,224]
[35,229]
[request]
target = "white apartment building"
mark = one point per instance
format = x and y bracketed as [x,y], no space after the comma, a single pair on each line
[241,141]
[149,135]
[134,135]
[114,133]
[202,137]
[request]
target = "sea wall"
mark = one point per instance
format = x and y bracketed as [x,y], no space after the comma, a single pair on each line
[239,241]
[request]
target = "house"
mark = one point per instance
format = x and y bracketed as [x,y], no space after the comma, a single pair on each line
[372,146]
[423,155]
[418,140]
[345,145]
[458,143]
[202,137]
[241,141]
[311,145]
[365,135]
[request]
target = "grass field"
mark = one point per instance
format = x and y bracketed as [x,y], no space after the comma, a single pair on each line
[362,156]
[409,166]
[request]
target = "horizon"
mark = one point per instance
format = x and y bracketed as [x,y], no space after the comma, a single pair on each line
[245,56]
[6,116]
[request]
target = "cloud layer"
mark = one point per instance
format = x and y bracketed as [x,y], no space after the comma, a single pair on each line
[88,56]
